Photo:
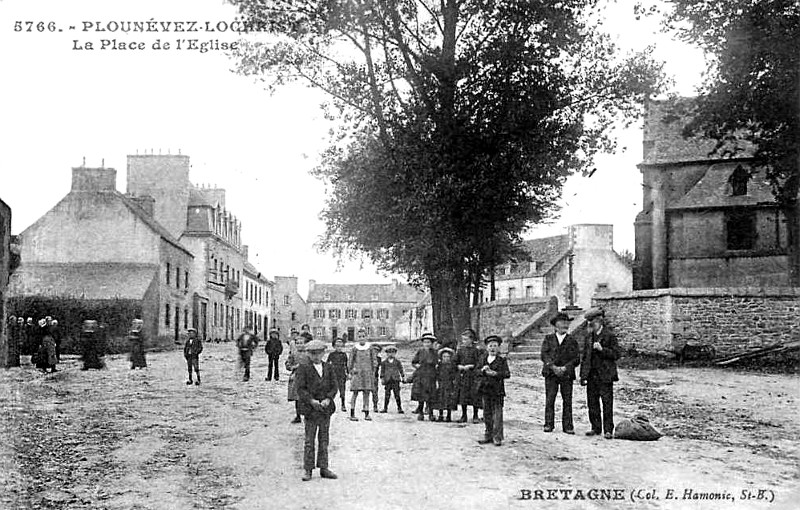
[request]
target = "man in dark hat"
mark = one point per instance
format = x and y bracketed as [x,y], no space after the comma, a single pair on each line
[274,349]
[492,371]
[316,391]
[560,356]
[191,351]
[599,372]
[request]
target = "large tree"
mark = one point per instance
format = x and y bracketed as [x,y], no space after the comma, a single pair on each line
[752,89]
[461,119]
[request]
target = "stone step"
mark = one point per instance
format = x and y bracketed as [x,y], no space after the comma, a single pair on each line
[523,355]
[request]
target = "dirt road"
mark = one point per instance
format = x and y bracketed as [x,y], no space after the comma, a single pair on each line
[125,439]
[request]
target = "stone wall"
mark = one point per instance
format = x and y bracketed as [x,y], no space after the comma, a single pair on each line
[504,316]
[730,319]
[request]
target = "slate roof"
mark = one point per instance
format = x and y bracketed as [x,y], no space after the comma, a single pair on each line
[713,190]
[547,250]
[663,139]
[364,293]
[86,280]
[149,221]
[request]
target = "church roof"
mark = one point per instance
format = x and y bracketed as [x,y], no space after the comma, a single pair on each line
[84,280]
[714,190]
[663,141]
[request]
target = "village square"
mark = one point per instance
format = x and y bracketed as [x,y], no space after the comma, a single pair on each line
[469,295]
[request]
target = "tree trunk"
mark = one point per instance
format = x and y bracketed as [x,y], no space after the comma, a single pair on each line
[459,309]
[440,302]
[792,213]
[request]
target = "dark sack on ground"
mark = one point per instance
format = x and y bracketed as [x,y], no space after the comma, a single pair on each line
[636,429]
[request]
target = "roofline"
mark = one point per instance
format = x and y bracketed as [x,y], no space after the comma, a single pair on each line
[644,165]
[770,205]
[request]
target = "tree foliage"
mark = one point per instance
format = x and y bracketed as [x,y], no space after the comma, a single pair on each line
[461,120]
[752,87]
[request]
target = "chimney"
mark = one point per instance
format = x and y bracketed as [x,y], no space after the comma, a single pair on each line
[94,179]
[311,285]
[395,283]
[244,251]
[146,202]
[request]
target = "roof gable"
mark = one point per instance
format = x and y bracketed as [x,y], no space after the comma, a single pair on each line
[714,190]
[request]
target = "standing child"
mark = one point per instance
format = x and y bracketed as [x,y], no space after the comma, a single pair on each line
[492,372]
[136,341]
[362,365]
[447,384]
[296,357]
[465,360]
[424,388]
[246,343]
[274,350]
[391,375]
[338,361]
[191,351]
[316,390]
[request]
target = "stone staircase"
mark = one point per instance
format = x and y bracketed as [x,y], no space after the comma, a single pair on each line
[526,342]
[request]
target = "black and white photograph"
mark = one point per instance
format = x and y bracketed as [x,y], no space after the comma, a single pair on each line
[400,254]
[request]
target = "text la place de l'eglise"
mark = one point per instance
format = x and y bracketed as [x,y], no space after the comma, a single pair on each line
[573,494]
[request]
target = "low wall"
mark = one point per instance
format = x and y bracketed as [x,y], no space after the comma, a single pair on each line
[504,316]
[730,319]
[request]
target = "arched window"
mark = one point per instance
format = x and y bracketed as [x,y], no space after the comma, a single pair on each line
[738,181]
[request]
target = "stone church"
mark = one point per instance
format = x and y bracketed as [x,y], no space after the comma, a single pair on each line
[709,218]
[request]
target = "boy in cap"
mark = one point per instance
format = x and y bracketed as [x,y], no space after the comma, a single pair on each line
[316,391]
[246,342]
[391,376]
[338,360]
[492,370]
[191,351]
[560,356]
[599,372]
[274,349]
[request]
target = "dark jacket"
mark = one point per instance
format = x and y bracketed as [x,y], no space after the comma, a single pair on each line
[310,386]
[246,342]
[564,355]
[492,385]
[600,365]
[274,346]
[392,371]
[192,349]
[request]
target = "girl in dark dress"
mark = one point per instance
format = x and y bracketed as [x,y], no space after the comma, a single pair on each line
[338,360]
[447,384]
[136,340]
[465,360]
[91,349]
[424,387]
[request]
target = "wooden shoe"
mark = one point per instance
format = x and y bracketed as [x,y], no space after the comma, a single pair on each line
[327,473]
[306,476]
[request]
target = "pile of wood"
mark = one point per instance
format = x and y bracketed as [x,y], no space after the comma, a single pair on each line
[772,349]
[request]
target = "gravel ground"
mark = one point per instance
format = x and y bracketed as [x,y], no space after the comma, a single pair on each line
[123,439]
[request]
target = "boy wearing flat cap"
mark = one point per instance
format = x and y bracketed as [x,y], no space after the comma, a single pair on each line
[316,391]
[560,356]
[599,372]
[492,370]
[392,375]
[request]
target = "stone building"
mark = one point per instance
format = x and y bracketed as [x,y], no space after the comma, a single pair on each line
[103,255]
[8,352]
[257,292]
[336,310]
[199,218]
[596,268]
[708,220]
[288,306]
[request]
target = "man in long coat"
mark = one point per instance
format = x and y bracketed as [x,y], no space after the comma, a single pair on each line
[560,356]
[599,373]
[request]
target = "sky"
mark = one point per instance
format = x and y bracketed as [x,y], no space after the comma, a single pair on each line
[63,104]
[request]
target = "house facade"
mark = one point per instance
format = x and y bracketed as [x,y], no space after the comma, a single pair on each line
[98,246]
[256,298]
[586,250]
[288,306]
[709,219]
[336,310]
